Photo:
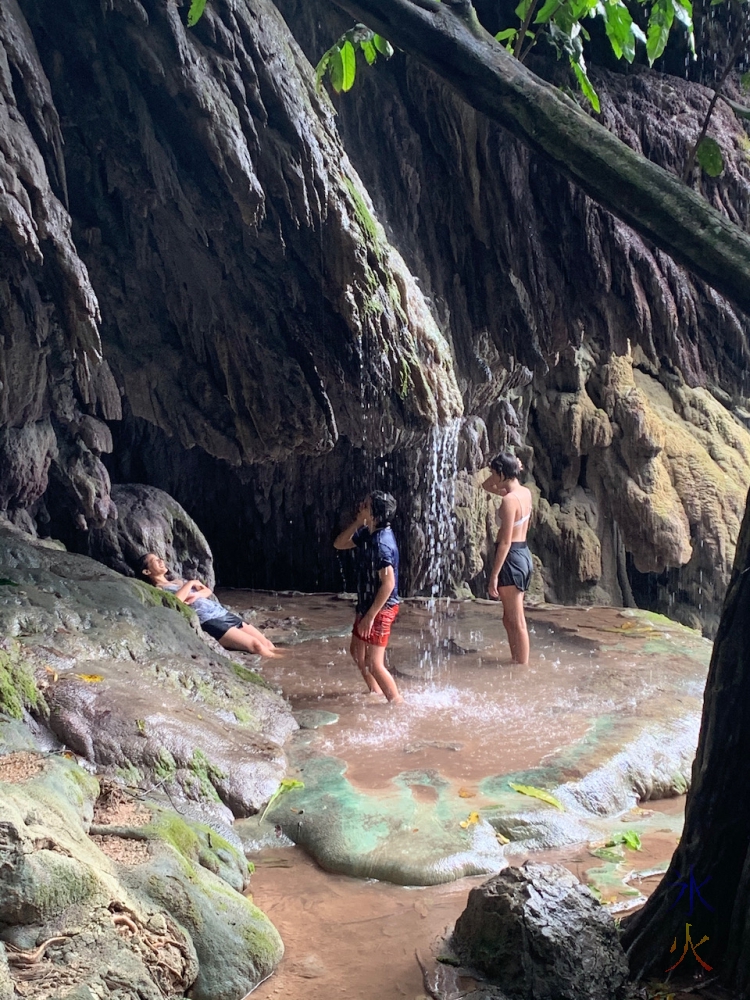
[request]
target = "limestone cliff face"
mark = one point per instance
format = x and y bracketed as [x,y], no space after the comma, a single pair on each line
[634,421]
[251,306]
[265,354]
[55,385]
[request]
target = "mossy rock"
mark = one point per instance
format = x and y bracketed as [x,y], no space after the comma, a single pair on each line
[198,844]
[236,944]
[18,690]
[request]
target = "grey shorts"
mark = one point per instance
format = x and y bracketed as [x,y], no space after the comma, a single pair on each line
[517,569]
[217,627]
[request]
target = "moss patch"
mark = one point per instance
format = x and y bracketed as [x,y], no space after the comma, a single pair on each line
[165,766]
[250,676]
[155,597]
[206,773]
[364,216]
[17,685]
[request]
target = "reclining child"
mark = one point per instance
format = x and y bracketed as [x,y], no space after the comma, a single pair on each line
[225,626]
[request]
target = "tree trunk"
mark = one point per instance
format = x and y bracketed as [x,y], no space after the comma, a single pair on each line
[654,202]
[716,838]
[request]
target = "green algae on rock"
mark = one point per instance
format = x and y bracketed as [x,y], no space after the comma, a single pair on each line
[18,689]
[115,918]
[178,713]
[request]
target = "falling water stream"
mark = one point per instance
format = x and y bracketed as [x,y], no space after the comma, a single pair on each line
[440,460]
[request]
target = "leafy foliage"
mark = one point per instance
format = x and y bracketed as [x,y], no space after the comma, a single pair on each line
[560,23]
[287,785]
[340,61]
[630,838]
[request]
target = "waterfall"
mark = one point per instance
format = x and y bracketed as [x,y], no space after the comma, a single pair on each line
[439,516]
[438,470]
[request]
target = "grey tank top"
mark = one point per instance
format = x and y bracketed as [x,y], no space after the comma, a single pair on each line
[206,608]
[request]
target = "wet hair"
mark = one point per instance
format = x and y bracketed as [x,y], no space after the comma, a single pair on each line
[143,564]
[506,466]
[383,506]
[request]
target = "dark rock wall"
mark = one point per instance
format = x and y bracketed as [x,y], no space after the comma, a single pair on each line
[523,270]
[55,386]
[272,357]
[251,307]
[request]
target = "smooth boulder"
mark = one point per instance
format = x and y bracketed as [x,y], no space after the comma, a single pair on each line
[150,520]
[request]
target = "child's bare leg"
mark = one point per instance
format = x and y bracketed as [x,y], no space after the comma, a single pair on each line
[248,640]
[358,650]
[376,663]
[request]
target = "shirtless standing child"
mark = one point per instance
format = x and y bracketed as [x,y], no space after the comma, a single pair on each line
[377,590]
[512,566]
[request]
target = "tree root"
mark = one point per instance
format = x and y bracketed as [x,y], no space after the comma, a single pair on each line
[18,957]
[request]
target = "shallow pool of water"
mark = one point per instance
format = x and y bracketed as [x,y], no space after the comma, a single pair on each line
[469,712]
[358,940]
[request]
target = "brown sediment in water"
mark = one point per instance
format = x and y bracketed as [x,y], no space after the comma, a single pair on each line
[470,713]
[356,939]
[585,663]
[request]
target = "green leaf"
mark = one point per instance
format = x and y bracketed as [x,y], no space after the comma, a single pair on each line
[287,785]
[349,63]
[195,12]
[337,69]
[320,69]
[383,46]
[659,24]
[709,157]
[549,8]
[745,81]
[582,8]
[508,35]
[537,793]
[522,9]
[369,50]
[630,838]
[579,68]
[619,27]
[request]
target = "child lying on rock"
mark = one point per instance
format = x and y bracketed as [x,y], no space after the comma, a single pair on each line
[220,623]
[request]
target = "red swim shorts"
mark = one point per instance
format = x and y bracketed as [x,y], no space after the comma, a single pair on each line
[381,627]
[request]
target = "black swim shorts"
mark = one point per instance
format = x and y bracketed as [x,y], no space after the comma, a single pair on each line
[217,627]
[517,569]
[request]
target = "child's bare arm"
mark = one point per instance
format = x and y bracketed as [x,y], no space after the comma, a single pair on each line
[344,539]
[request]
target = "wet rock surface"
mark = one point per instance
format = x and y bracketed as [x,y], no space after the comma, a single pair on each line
[149,520]
[540,934]
[140,911]
[125,679]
